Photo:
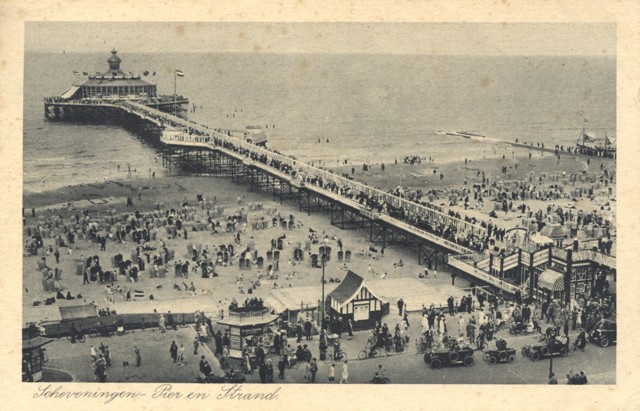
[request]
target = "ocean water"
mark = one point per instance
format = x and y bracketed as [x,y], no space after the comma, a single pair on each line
[368,107]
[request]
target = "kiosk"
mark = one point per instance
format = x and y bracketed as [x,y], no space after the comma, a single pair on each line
[245,325]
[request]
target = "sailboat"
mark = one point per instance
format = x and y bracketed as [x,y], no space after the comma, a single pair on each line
[593,146]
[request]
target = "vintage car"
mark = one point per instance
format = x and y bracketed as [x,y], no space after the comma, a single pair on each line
[437,359]
[536,352]
[603,333]
[495,356]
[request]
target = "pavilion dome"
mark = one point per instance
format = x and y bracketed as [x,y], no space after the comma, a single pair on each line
[114,61]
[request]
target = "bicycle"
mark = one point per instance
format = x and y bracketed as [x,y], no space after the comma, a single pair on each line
[421,346]
[364,354]
[330,356]
[107,331]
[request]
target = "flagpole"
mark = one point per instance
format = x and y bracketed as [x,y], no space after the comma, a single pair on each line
[175,76]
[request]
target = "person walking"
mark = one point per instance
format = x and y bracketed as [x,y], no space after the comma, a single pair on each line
[180,360]
[299,332]
[269,371]
[313,369]
[282,365]
[471,332]
[161,324]
[345,373]
[107,356]
[173,350]
[307,329]
[136,350]
[349,329]
[332,373]
[196,344]
[400,306]
[219,343]
[307,372]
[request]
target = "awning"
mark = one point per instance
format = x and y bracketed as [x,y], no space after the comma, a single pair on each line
[28,345]
[551,280]
[274,304]
[69,93]
[78,311]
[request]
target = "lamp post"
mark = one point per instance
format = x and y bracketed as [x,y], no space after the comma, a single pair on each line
[550,344]
[324,263]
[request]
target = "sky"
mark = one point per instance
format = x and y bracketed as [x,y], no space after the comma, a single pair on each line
[578,39]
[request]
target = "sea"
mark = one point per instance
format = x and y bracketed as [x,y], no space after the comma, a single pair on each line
[326,108]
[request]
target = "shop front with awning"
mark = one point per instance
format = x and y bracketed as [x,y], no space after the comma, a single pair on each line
[551,283]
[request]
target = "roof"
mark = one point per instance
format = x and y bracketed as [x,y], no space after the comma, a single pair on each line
[346,291]
[249,321]
[551,280]
[291,299]
[78,311]
[115,82]
[347,288]
[69,93]
[553,231]
[35,343]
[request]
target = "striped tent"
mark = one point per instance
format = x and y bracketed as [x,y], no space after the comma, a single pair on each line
[551,280]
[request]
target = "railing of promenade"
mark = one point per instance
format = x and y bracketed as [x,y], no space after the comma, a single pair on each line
[463,264]
[306,173]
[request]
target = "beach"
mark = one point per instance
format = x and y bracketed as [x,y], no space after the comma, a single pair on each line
[109,198]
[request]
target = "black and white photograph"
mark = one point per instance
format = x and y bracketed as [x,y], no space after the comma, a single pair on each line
[319,203]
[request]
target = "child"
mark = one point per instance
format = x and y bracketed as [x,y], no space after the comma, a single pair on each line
[332,373]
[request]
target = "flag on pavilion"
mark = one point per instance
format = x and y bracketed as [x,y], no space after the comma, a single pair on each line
[154,73]
[84,73]
[146,72]
[179,73]
[76,72]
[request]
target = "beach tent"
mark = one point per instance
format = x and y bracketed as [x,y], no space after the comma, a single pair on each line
[555,232]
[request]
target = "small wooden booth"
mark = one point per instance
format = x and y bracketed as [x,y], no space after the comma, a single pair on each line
[352,299]
[245,325]
[33,358]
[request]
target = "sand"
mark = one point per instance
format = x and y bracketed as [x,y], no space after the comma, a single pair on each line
[110,197]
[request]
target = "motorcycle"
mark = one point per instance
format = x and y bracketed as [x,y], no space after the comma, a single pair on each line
[580,342]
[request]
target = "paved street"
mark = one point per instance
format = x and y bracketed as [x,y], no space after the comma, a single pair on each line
[409,368]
